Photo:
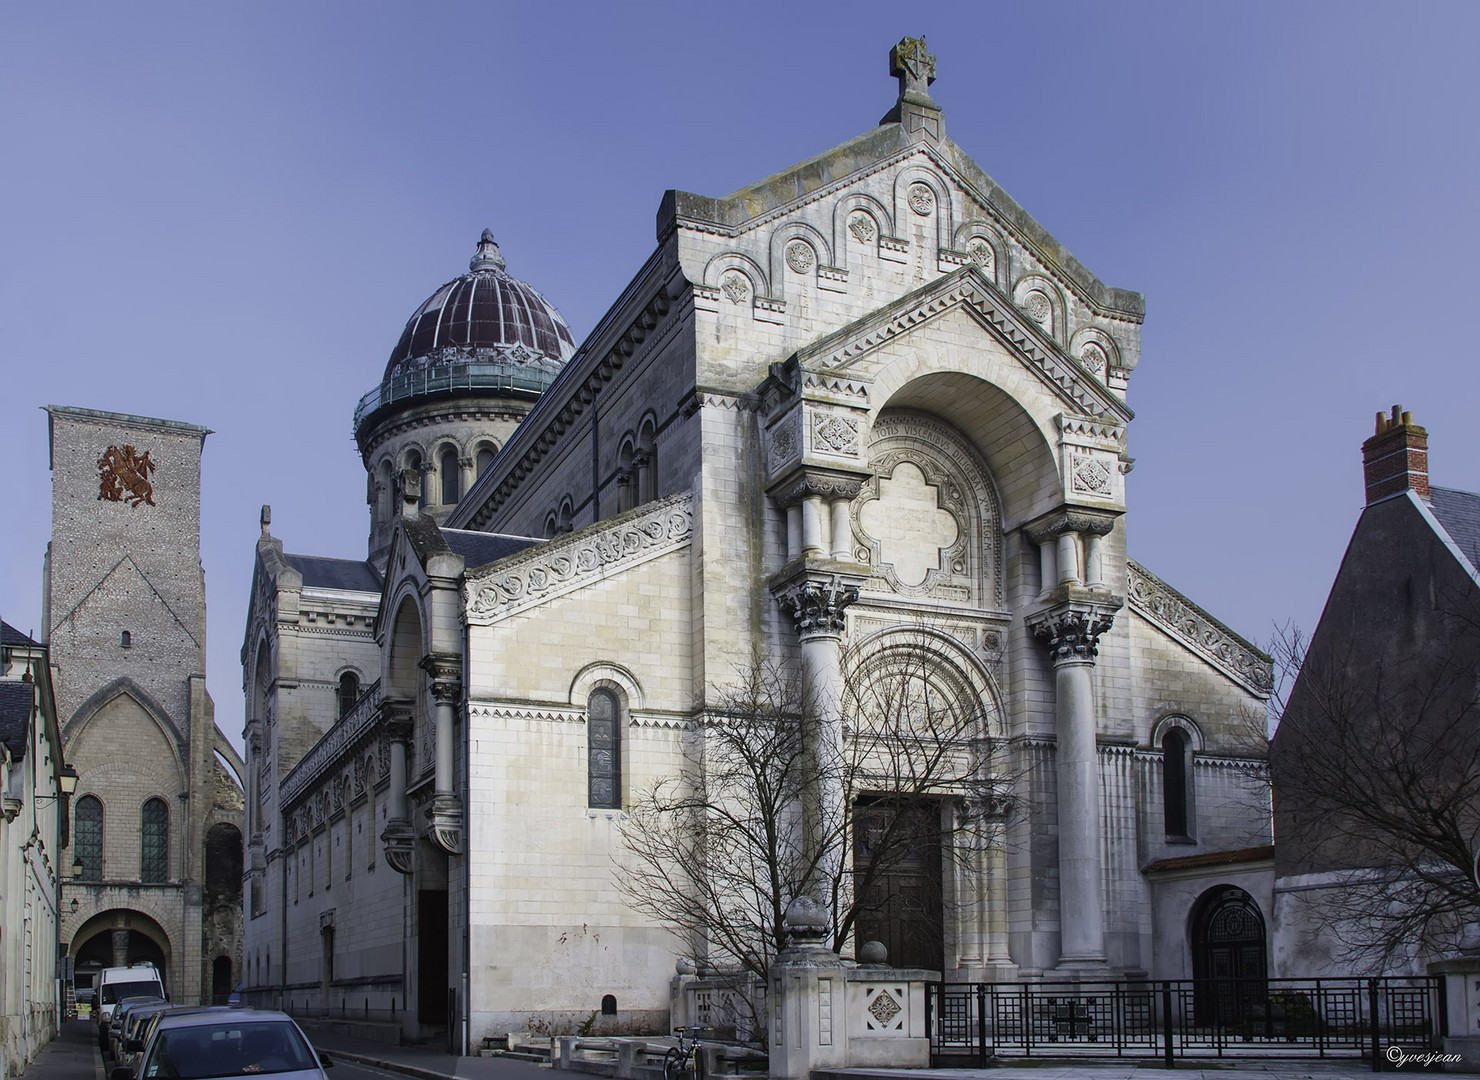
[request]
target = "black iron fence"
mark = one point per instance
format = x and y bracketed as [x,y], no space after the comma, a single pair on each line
[970,1023]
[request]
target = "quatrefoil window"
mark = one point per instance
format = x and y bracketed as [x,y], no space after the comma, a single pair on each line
[909,524]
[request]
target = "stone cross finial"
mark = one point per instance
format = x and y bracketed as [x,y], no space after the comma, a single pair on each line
[914,67]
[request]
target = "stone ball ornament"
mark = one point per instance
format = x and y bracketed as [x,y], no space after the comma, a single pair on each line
[686,966]
[806,919]
[873,953]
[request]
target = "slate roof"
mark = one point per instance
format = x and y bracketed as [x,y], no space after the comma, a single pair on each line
[1459,513]
[354,575]
[16,699]
[480,548]
[9,635]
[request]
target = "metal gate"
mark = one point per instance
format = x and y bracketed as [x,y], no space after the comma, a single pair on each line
[970,1023]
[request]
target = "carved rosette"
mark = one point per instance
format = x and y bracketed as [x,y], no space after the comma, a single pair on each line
[1071,631]
[447,823]
[816,603]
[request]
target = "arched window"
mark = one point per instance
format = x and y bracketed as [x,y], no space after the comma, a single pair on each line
[646,462]
[1174,781]
[87,837]
[413,462]
[609,1005]
[484,458]
[154,841]
[349,692]
[450,477]
[604,750]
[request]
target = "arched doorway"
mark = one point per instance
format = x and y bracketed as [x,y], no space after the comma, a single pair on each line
[1229,965]
[117,937]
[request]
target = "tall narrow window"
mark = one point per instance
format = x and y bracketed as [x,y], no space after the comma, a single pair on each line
[154,838]
[349,692]
[604,750]
[484,458]
[1174,781]
[87,837]
[450,478]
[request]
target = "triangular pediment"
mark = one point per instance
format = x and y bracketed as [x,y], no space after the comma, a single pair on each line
[846,361]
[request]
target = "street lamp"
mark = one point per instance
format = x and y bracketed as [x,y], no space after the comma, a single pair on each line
[66,785]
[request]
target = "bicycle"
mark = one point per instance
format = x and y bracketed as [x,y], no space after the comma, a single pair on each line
[684,1061]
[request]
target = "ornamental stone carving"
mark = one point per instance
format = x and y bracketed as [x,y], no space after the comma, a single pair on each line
[921,198]
[799,256]
[816,603]
[862,227]
[735,288]
[447,823]
[981,253]
[1071,631]
[1189,624]
[1039,309]
[562,565]
[835,435]
[399,843]
[1090,476]
[827,485]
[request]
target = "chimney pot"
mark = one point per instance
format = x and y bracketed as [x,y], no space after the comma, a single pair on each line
[1396,458]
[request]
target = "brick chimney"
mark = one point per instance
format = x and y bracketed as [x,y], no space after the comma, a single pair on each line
[1396,459]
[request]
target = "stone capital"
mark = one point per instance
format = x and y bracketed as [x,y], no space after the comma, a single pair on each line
[817,595]
[445,670]
[397,719]
[1070,627]
[827,485]
[1070,519]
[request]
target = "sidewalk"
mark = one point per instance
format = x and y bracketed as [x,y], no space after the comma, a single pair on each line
[72,1055]
[417,1061]
[428,1064]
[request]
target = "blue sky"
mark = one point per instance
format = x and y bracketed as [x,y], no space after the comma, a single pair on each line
[224,213]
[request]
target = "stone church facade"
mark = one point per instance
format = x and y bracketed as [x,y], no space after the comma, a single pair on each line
[155,852]
[865,406]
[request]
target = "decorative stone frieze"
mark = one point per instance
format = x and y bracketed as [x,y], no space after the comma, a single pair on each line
[1190,625]
[1085,522]
[566,564]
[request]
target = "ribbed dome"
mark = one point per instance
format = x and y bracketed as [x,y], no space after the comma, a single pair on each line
[484,314]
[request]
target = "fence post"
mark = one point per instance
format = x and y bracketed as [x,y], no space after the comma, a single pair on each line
[981,1023]
[1376,1038]
[1166,1025]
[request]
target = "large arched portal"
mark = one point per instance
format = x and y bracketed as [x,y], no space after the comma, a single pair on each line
[1229,964]
[121,936]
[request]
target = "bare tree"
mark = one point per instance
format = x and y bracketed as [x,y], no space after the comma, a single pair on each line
[1376,772]
[759,815]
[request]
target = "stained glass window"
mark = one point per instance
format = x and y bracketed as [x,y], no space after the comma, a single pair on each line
[604,750]
[154,833]
[87,837]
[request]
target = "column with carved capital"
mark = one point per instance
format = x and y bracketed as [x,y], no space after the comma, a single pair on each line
[399,838]
[1070,628]
[815,600]
[445,670]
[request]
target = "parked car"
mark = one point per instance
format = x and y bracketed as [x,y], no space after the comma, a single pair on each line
[134,1025]
[121,1012]
[221,1043]
[116,983]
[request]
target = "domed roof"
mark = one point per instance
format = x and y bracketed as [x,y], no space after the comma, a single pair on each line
[483,315]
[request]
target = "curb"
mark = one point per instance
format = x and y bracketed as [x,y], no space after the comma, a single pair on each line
[389,1066]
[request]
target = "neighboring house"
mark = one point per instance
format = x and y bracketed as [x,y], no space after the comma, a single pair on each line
[156,838]
[863,413]
[1376,760]
[33,828]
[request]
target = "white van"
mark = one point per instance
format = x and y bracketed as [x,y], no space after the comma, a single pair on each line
[116,983]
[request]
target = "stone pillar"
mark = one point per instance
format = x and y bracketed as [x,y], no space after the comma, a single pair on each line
[815,600]
[466,477]
[445,670]
[642,462]
[120,947]
[1071,628]
[842,531]
[808,997]
[1461,975]
[793,532]
[399,837]
[812,526]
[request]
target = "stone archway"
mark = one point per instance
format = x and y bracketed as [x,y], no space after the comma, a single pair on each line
[122,936]
[1229,955]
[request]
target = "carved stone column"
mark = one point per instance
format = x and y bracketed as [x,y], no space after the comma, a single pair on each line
[445,670]
[1070,628]
[399,838]
[815,598]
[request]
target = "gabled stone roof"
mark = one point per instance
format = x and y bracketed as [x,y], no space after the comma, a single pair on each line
[1459,513]
[9,635]
[479,548]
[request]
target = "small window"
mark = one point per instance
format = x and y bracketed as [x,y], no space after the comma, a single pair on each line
[1174,781]
[609,1005]
[604,750]
[349,692]
[87,838]
[450,478]
[154,838]
[125,640]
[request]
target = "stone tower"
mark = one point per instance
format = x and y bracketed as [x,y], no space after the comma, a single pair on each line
[155,861]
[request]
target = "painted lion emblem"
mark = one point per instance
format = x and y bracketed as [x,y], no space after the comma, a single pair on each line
[124,475]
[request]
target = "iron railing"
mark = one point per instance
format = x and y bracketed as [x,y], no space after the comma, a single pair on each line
[1188,1018]
[504,376]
